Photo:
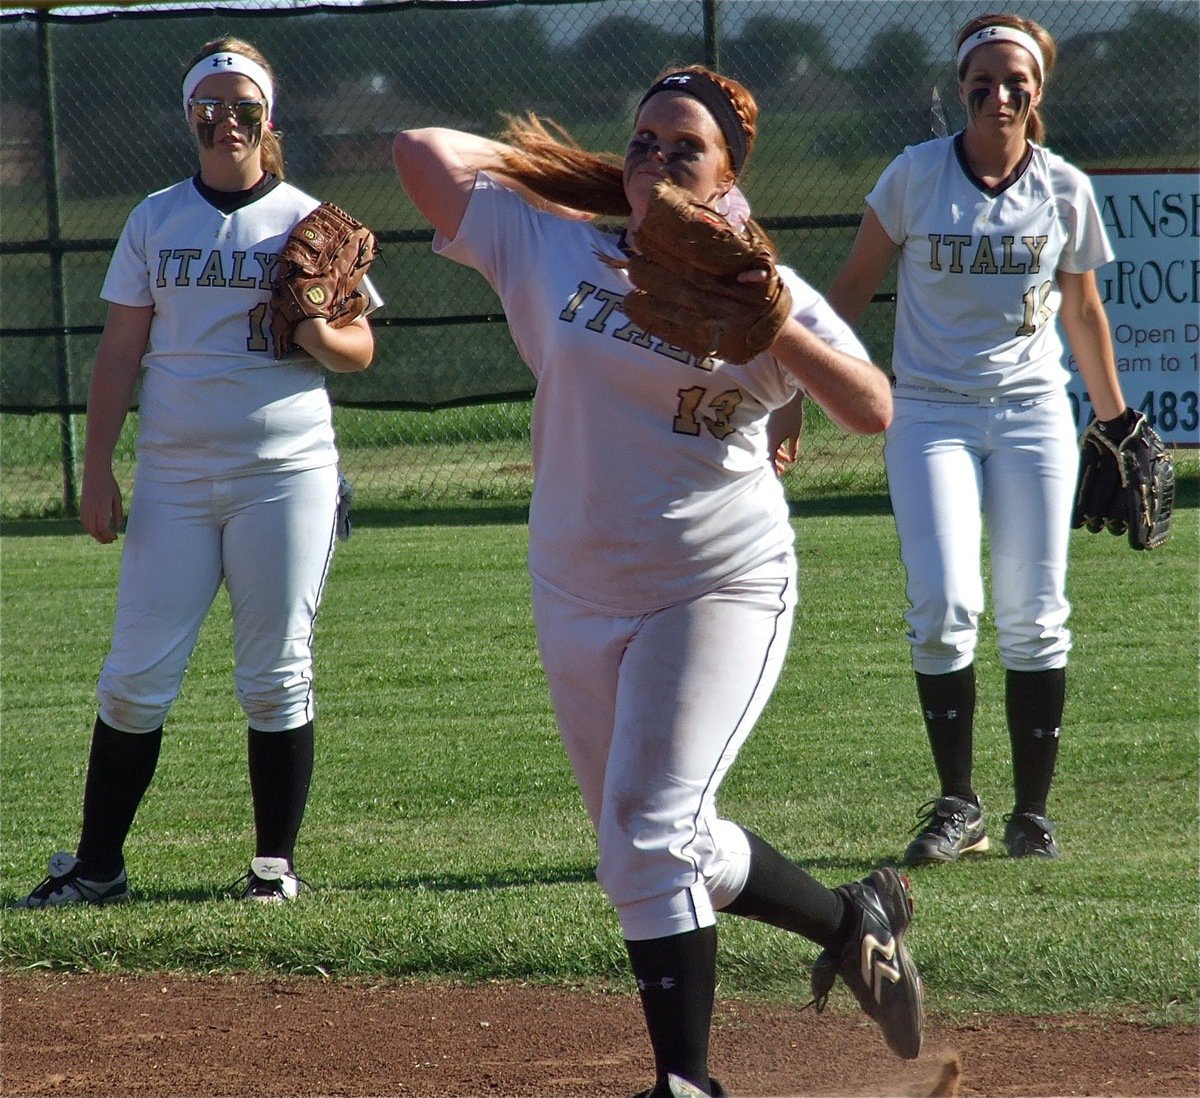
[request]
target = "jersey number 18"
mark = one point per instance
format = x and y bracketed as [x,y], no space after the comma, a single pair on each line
[1037,310]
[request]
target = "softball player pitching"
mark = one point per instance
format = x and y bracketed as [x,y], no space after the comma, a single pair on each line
[236,478]
[997,238]
[660,550]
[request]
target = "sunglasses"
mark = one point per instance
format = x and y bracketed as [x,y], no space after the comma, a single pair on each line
[245,112]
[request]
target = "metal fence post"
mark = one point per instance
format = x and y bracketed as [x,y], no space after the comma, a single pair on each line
[712,46]
[62,375]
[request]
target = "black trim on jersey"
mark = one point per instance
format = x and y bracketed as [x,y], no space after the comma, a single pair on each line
[1004,183]
[229,201]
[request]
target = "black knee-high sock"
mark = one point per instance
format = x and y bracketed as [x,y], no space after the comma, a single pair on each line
[120,767]
[281,766]
[1034,701]
[677,979]
[948,705]
[779,892]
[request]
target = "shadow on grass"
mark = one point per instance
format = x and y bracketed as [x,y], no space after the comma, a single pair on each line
[479,882]
[484,513]
[508,512]
[829,867]
[445,882]
[840,506]
[470,514]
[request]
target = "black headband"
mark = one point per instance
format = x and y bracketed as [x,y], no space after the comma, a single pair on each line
[719,105]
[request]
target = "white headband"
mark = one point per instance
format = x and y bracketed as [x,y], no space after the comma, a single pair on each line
[228,62]
[986,35]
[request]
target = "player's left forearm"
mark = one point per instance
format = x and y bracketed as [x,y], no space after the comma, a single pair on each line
[345,350]
[1086,325]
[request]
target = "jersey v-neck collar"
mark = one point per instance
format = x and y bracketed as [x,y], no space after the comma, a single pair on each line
[229,201]
[1005,183]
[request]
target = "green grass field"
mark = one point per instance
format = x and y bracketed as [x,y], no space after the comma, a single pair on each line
[408,458]
[445,839]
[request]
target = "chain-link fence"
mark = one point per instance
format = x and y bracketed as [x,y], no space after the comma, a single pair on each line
[91,123]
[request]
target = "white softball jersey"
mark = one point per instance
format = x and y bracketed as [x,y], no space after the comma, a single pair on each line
[977,296]
[214,401]
[652,481]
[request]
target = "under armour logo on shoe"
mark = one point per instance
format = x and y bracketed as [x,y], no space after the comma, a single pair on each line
[875,968]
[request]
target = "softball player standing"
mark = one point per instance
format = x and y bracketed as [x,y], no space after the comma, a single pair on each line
[997,238]
[236,478]
[660,550]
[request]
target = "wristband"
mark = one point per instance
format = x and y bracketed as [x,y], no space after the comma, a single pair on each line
[1118,426]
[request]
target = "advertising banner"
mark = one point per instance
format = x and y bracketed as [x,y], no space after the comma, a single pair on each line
[1151,292]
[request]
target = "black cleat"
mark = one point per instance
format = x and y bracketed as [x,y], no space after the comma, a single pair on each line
[270,881]
[64,885]
[950,827]
[1028,835]
[875,963]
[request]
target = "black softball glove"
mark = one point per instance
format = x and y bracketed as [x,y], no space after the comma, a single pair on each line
[1126,481]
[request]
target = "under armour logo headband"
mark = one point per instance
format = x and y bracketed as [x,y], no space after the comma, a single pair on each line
[228,62]
[716,99]
[986,35]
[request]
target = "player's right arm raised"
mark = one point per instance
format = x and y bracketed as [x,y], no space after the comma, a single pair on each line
[437,167]
[114,375]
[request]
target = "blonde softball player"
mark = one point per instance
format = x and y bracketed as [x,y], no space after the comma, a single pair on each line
[660,550]
[236,478]
[997,239]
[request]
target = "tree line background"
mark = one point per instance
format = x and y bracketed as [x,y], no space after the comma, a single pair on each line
[93,122]
[1125,84]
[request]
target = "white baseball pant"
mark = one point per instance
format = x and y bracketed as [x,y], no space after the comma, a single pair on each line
[269,537]
[652,711]
[952,463]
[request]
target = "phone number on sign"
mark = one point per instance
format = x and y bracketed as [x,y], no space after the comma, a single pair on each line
[1165,409]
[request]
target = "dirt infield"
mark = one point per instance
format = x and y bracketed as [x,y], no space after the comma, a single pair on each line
[161,1035]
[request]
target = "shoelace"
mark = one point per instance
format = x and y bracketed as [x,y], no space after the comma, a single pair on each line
[929,808]
[823,978]
[52,884]
[1028,832]
[260,886]
[236,887]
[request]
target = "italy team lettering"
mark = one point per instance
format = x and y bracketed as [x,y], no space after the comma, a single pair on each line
[948,251]
[609,302]
[248,272]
